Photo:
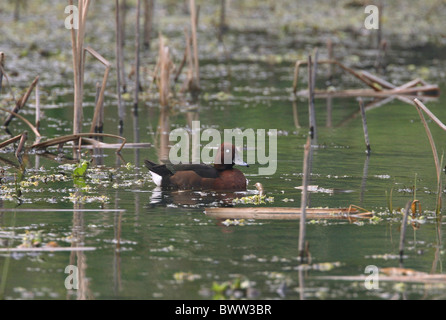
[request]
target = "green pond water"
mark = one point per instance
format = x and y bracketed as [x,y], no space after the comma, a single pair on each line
[145,244]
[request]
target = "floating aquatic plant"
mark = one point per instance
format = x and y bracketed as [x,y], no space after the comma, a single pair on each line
[81,169]
[185,276]
[238,288]
[254,199]
[234,222]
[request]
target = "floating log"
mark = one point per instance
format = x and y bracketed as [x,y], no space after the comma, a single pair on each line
[418,277]
[413,92]
[47,249]
[277,213]
[379,87]
[77,137]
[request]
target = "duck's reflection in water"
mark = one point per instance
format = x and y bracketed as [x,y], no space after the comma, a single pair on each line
[195,199]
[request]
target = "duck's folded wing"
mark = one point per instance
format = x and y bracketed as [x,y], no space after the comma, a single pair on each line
[202,170]
[159,169]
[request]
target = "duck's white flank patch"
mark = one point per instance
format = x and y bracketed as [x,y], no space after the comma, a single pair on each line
[156,178]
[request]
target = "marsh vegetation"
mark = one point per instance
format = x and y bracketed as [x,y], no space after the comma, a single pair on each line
[84,107]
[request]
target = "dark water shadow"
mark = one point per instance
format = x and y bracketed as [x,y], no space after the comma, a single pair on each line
[193,199]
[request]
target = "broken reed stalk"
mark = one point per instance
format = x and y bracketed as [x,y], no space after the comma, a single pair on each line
[21,102]
[76,137]
[2,63]
[439,189]
[100,101]
[164,78]
[306,172]
[330,57]
[3,74]
[99,123]
[137,62]
[9,141]
[420,106]
[37,107]
[148,17]
[222,25]
[36,132]
[193,20]
[311,113]
[364,126]
[360,75]
[287,213]
[119,59]
[313,86]
[403,230]
[186,52]
[380,24]
[23,138]
[77,43]
[190,72]
[121,13]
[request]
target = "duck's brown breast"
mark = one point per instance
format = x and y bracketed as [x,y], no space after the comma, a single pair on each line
[232,179]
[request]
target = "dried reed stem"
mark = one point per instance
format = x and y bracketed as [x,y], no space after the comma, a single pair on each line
[193,22]
[36,132]
[311,113]
[403,230]
[37,107]
[3,74]
[121,13]
[21,102]
[355,73]
[164,79]
[137,62]
[76,137]
[148,17]
[420,106]
[364,126]
[330,57]
[119,59]
[2,63]
[223,26]
[303,206]
[77,43]
[23,138]
[9,141]
[100,101]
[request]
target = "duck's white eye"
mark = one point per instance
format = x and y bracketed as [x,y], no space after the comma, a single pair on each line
[227,150]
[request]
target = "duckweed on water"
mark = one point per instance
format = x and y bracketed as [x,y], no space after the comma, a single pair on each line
[254,199]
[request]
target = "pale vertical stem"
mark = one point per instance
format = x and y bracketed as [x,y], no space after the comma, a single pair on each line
[364,126]
[75,73]
[164,63]
[148,17]
[2,58]
[23,138]
[193,16]
[330,57]
[137,40]
[118,51]
[311,116]
[429,135]
[380,25]
[222,20]
[403,230]
[37,107]
[303,205]
[122,18]
[313,86]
